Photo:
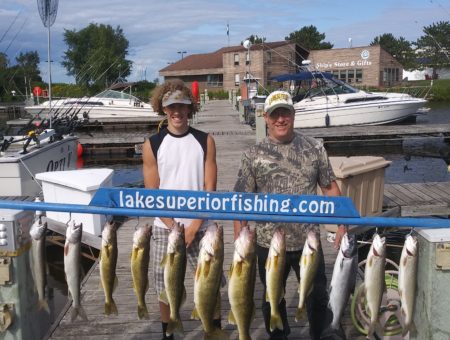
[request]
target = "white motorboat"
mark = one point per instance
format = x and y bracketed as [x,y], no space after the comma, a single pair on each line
[22,157]
[328,101]
[107,104]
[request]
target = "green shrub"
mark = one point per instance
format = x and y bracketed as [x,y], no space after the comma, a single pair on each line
[218,94]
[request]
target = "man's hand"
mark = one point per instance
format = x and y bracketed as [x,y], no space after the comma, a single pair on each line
[342,229]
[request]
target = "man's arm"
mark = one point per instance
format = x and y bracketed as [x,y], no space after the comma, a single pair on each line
[210,184]
[333,190]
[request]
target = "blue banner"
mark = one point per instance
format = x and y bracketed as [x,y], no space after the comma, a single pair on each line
[224,202]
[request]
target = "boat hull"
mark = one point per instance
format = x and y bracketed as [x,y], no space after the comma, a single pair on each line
[373,113]
[17,171]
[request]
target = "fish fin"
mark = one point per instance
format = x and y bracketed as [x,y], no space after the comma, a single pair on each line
[206,268]
[231,318]
[78,311]
[300,314]
[230,272]
[198,272]
[111,308]
[163,297]
[143,312]
[163,261]
[216,334]
[43,304]
[276,322]
[171,258]
[174,326]
[268,263]
[194,314]
[239,268]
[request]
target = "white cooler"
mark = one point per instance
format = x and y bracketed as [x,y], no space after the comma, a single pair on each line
[75,187]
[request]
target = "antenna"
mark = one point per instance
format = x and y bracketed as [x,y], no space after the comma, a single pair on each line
[47,11]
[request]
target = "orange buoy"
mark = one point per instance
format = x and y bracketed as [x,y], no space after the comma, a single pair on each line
[195,91]
[79,150]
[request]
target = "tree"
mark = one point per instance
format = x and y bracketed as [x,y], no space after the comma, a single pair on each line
[254,39]
[28,64]
[400,49]
[434,46]
[309,38]
[96,55]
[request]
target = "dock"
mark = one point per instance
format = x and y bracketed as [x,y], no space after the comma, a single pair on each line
[231,139]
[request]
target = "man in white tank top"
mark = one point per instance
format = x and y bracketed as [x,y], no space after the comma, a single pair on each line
[178,157]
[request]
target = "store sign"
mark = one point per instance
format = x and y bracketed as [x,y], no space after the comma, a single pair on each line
[364,61]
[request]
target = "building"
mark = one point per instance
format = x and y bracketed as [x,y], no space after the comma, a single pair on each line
[362,66]
[227,68]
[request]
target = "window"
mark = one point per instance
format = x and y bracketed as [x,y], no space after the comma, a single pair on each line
[236,59]
[335,73]
[359,75]
[350,76]
[269,75]
[236,79]
[214,80]
[247,58]
[269,57]
[343,75]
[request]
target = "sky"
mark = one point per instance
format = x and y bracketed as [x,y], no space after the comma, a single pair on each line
[158,30]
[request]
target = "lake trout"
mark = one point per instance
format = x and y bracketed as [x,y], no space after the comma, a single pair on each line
[407,276]
[374,284]
[241,284]
[72,251]
[208,276]
[108,262]
[38,261]
[309,262]
[174,263]
[344,278]
[275,263]
[140,257]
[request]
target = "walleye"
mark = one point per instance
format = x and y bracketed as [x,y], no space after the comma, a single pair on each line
[38,262]
[174,263]
[407,274]
[344,278]
[374,284]
[309,262]
[275,263]
[208,276]
[140,257]
[72,249]
[108,262]
[241,284]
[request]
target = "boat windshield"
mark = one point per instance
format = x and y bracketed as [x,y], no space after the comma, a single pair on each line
[330,87]
[115,95]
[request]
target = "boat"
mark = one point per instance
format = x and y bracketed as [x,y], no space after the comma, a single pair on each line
[23,156]
[107,104]
[327,101]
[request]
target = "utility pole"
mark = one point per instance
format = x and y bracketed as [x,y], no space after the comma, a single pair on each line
[182,53]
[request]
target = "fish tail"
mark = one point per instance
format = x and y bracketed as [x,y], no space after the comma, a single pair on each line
[43,304]
[78,311]
[300,314]
[276,322]
[175,326]
[143,312]
[216,334]
[111,308]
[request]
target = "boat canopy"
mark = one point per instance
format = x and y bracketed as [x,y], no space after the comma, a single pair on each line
[114,95]
[304,75]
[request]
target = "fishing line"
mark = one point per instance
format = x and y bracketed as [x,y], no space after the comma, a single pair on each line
[7,30]
[13,39]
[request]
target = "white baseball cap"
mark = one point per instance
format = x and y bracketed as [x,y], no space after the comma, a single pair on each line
[175,97]
[278,99]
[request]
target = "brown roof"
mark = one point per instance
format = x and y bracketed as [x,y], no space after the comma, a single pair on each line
[214,59]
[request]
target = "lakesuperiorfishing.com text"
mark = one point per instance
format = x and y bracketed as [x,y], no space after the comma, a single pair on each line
[233,203]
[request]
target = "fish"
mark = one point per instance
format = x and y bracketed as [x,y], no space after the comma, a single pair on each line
[343,280]
[174,263]
[140,257]
[241,284]
[38,261]
[208,276]
[72,251]
[407,275]
[374,284]
[309,262]
[275,263]
[108,262]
